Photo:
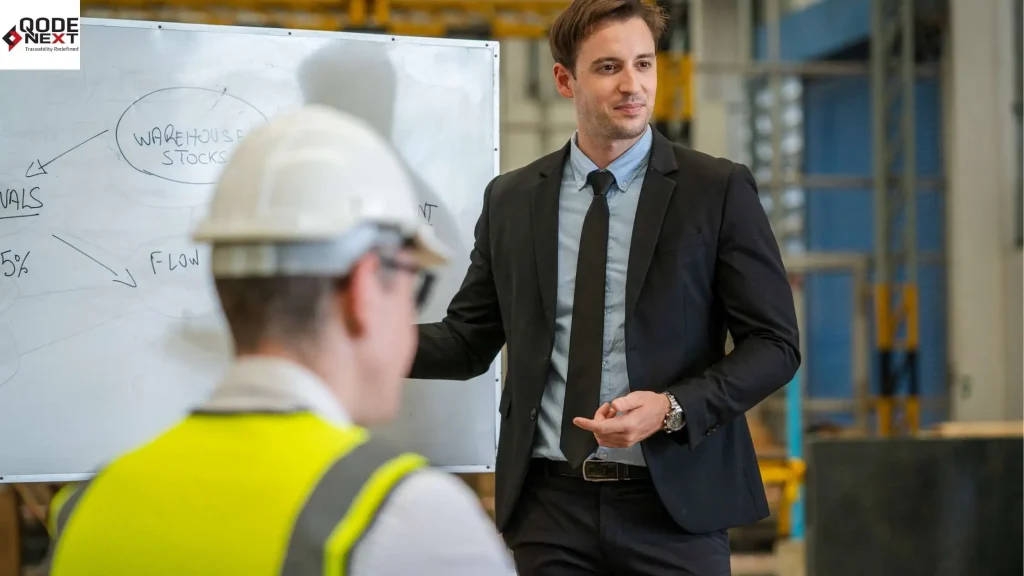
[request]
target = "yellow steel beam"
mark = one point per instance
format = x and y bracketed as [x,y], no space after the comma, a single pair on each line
[254,5]
[484,6]
[674,99]
[896,308]
[505,18]
[381,8]
[429,28]
[477,6]
[512,28]
[357,12]
[790,474]
[309,21]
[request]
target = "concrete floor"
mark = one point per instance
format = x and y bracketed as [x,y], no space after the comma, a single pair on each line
[754,565]
[788,559]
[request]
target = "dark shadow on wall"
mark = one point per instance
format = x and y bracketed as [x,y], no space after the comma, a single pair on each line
[360,78]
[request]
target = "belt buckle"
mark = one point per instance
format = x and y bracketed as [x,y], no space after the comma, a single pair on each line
[601,477]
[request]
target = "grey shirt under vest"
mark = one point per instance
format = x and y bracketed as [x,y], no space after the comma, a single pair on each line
[432,524]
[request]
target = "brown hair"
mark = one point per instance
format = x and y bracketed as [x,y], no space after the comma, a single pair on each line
[577,22]
[287,310]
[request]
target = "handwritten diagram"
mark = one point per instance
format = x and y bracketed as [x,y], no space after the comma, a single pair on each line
[116,278]
[110,327]
[180,137]
[184,145]
[75,267]
[38,167]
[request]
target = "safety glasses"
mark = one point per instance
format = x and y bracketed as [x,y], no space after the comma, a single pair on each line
[424,278]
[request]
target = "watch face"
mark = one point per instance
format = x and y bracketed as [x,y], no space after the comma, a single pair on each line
[675,421]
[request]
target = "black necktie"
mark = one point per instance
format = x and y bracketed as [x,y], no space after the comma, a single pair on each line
[586,338]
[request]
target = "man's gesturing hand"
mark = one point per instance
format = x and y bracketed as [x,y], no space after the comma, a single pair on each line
[627,420]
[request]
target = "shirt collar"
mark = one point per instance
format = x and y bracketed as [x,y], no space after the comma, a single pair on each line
[625,168]
[264,383]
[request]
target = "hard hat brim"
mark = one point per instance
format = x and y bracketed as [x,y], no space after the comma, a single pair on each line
[428,250]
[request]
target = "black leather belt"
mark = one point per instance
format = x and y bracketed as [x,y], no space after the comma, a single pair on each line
[596,470]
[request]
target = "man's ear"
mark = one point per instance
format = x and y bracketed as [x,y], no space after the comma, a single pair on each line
[356,303]
[563,80]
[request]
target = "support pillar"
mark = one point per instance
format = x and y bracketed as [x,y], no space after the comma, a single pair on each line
[984,311]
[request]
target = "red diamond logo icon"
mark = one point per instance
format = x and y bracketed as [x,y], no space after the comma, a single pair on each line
[12,38]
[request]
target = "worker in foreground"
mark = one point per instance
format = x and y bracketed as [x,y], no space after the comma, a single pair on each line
[319,262]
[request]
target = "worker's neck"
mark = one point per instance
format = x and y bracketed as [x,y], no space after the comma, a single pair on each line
[334,369]
[602,151]
[302,357]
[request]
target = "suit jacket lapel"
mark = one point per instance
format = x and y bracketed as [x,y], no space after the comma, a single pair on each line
[650,212]
[544,215]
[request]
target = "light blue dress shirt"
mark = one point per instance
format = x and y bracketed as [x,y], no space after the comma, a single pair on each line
[575,196]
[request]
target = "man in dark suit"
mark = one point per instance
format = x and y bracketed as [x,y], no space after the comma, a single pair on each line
[613,269]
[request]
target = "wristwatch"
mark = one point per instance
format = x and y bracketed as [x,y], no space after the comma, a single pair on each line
[674,420]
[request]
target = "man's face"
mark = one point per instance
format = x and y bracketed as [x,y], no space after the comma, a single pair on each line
[386,348]
[615,81]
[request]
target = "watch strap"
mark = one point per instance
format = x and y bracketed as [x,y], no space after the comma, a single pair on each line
[674,410]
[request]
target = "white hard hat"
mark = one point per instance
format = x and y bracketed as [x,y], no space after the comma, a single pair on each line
[310,193]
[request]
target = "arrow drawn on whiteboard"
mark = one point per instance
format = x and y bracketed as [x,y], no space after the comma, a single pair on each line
[37,167]
[133,283]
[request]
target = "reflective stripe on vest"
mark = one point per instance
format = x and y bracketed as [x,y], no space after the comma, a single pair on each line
[61,505]
[353,490]
[231,494]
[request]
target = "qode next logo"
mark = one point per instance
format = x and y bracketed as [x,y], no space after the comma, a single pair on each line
[41,34]
[44,34]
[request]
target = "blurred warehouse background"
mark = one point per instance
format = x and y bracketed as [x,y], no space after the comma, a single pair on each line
[886,138]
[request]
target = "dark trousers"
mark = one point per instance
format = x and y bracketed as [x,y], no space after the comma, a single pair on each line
[567,526]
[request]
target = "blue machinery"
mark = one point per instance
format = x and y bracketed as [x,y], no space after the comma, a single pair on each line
[795,449]
[869,174]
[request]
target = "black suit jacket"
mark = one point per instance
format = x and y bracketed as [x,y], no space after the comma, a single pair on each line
[703,260]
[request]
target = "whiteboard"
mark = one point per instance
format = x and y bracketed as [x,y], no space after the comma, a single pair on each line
[110,330]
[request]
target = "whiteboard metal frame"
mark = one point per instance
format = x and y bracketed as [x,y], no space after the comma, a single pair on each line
[494,47]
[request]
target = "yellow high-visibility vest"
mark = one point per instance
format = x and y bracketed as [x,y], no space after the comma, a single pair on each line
[229,493]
